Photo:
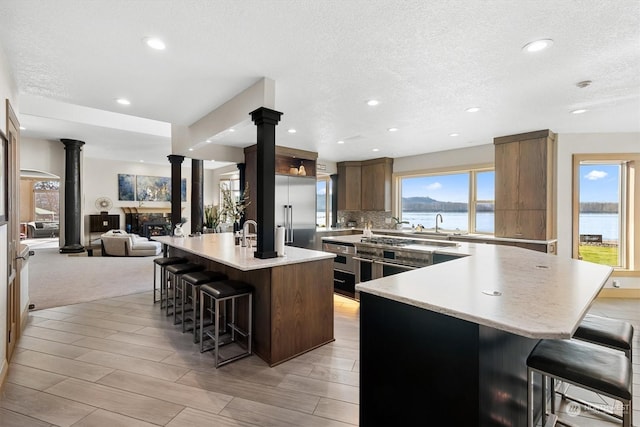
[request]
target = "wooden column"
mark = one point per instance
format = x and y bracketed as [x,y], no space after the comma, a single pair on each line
[72,197]
[266,120]
[176,189]
[197,198]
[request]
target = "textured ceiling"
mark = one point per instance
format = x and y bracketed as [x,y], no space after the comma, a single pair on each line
[426,61]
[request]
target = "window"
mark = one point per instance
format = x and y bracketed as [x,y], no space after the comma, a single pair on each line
[46,197]
[464,198]
[323,202]
[605,187]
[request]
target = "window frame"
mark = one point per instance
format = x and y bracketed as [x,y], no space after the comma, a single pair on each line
[629,250]
[472,202]
[327,182]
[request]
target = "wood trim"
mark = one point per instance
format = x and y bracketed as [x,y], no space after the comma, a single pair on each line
[625,273]
[524,136]
[619,293]
[4,370]
[575,206]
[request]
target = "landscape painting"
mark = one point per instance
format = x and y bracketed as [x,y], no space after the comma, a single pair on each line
[126,187]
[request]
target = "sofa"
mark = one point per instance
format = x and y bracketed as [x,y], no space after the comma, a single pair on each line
[121,243]
[37,229]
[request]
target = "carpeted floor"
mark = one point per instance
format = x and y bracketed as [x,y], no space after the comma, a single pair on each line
[57,279]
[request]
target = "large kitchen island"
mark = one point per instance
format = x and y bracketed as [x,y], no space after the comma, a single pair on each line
[293,295]
[447,344]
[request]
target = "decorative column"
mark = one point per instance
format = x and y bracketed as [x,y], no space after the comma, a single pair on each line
[242,182]
[72,197]
[266,120]
[197,199]
[334,200]
[176,189]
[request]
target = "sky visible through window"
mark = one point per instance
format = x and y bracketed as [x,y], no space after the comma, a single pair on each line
[599,183]
[444,188]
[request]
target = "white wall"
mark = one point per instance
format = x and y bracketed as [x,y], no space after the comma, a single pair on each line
[463,157]
[568,145]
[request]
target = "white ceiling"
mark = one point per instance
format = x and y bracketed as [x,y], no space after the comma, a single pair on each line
[426,61]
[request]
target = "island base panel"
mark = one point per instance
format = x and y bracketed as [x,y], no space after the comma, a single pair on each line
[419,367]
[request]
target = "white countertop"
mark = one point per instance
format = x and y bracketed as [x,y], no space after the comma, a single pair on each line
[219,247]
[542,295]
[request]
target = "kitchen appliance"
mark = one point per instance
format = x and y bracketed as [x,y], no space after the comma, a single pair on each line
[295,209]
[382,256]
[344,268]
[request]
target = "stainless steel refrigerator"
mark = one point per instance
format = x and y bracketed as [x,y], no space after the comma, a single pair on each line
[295,205]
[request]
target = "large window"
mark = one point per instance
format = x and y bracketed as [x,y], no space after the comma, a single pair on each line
[465,200]
[605,187]
[323,202]
[46,196]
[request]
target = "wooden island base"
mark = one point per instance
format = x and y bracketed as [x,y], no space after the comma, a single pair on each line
[293,305]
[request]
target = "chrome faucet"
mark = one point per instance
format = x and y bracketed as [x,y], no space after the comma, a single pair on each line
[245,232]
[441,220]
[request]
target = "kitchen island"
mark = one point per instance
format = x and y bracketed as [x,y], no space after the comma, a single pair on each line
[447,344]
[293,295]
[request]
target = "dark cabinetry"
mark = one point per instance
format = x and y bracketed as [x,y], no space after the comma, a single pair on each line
[365,185]
[103,222]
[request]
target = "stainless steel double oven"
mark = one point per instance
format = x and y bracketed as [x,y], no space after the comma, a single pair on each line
[344,267]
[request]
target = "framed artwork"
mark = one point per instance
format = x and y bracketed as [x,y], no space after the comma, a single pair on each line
[148,188]
[126,187]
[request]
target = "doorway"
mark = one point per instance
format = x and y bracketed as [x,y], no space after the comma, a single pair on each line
[39,207]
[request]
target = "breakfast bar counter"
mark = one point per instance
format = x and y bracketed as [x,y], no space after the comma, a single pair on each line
[448,343]
[293,295]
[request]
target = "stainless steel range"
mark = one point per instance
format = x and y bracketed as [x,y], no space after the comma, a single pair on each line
[383,256]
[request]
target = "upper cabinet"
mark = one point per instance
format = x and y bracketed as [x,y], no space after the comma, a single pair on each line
[365,185]
[525,185]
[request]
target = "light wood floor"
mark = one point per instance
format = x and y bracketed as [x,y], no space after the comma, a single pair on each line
[121,362]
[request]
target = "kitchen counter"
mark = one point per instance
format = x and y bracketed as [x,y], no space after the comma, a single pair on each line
[219,247]
[293,295]
[465,328]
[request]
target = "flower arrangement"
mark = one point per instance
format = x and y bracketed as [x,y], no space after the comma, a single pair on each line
[232,210]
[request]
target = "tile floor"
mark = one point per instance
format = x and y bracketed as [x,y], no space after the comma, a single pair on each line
[121,362]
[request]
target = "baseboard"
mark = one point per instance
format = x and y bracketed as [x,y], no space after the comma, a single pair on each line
[24,318]
[619,293]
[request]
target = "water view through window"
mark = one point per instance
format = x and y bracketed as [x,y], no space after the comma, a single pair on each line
[452,196]
[599,220]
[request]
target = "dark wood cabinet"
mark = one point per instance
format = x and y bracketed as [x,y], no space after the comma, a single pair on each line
[365,185]
[103,222]
[524,186]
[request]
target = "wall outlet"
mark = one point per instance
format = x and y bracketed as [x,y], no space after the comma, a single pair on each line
[615,283]
[387,220]
[361,219]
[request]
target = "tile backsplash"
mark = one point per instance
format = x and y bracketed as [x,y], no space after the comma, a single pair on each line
[361,218]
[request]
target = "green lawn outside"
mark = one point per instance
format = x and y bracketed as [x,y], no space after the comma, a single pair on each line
[607,255]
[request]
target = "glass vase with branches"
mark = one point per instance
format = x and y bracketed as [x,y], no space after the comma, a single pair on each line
[232,209]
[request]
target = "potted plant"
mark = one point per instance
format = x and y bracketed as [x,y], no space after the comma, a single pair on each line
[398,223]
[211,218]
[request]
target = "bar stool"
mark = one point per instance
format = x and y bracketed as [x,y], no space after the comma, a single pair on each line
[616,334]
[585,365]
[162,263]
[190,289]
[174,271]
[211,295]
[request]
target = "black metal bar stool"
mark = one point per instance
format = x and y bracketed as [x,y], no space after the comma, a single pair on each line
[190,290]
[585,365]
[162,263]
[174,271]
[211,295]
[613,333]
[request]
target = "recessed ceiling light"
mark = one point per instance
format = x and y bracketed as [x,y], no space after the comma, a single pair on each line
[340,142]
[373,102]
[454,134]
[190,149]
[376,149]
[141,161]
[292,131]
[472,109]
[392,129]
[123,101]
[208,141]
[537,45]
[232,130]
[579,111]
[154,43]
[23,128]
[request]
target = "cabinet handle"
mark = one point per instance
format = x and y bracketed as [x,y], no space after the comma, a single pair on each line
[340,281]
